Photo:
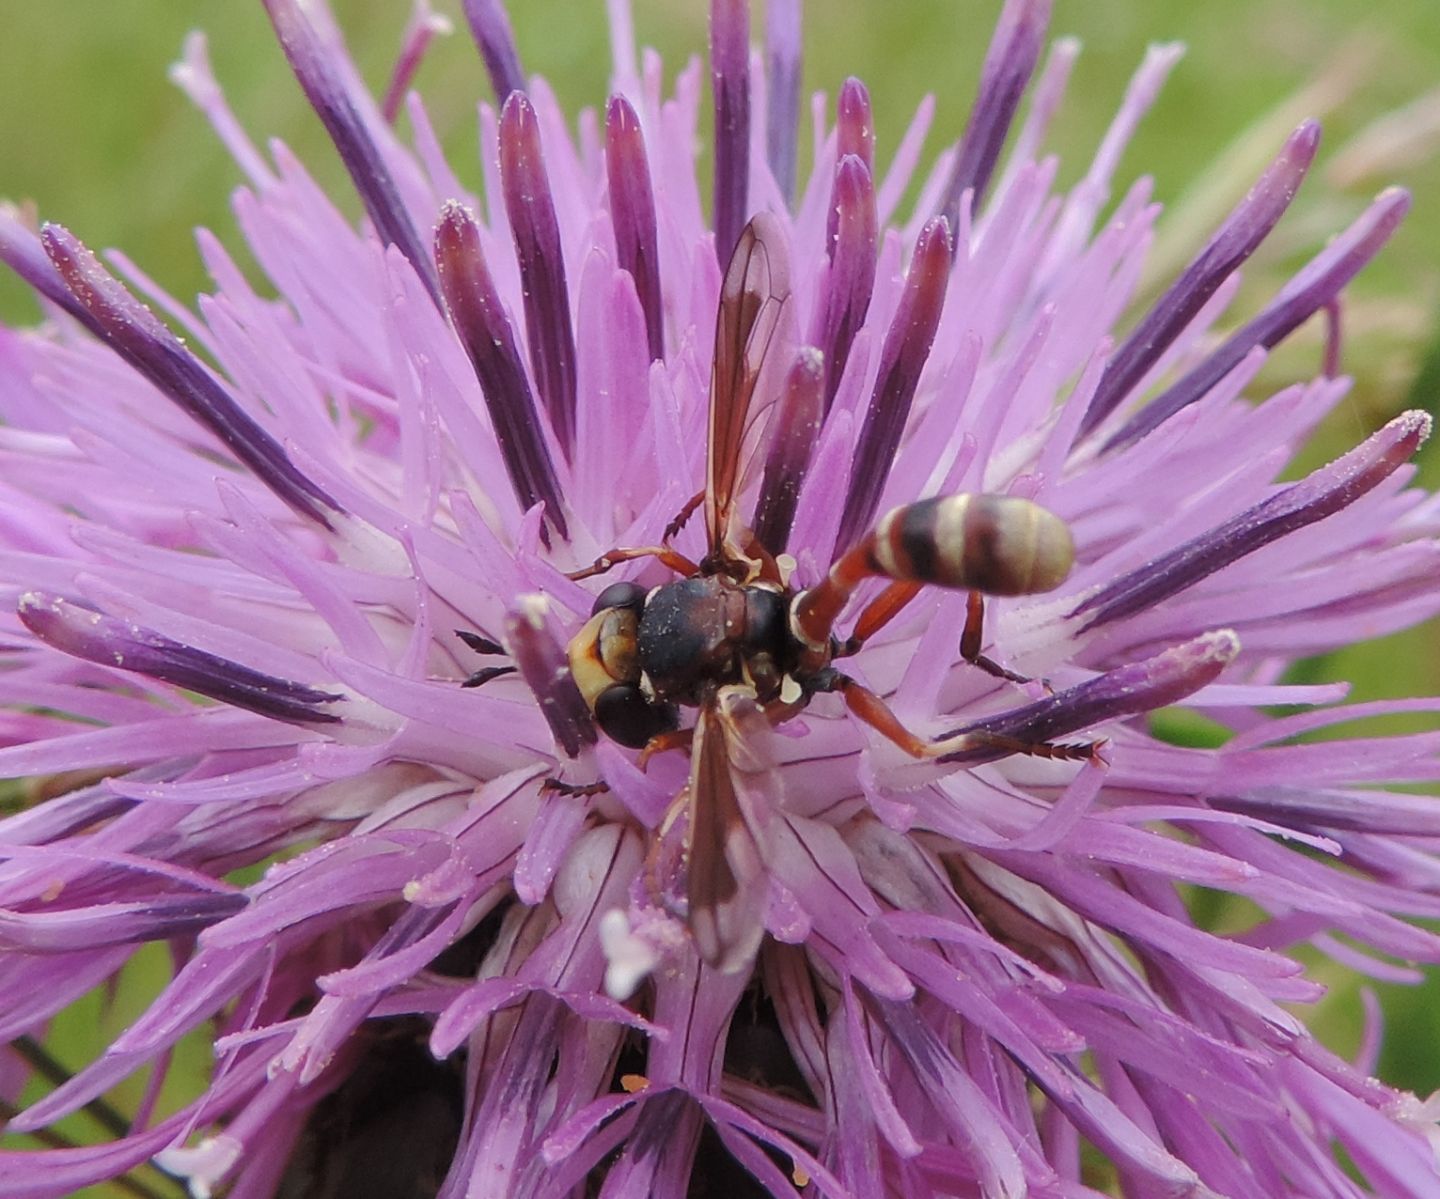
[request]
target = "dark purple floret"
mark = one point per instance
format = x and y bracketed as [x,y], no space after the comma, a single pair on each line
[1129,690]
[22,251]
[1244,229]
[545,667]
[730,82]
[484,330]
[794,432]
[491,28]
[122,645]
[632,215]
[361,156]
[782,72]
[907,348]
[1009,64]
[138,336]
[542,265]
[851,281]
[1312,289]
[1318,495]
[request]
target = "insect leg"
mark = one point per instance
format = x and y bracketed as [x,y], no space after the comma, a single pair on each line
[662,742]
[677,522]
[877,614]
[972,637]
[611,558]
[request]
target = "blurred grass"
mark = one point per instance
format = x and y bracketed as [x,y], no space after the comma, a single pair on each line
[91,130]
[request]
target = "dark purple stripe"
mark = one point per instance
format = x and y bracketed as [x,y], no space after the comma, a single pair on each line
[797,428]
[851,281]
[1009,64]
[782,113]
[313,68]
[118,644]
[906,350]
[730,82]
[1243,231]
[1312,289]
[491,29]
[1315,497]
[632,213]
[138,336]
[542,265]
[484,330]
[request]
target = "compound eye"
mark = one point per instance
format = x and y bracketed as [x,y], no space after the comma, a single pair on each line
[624,714]
[620,595]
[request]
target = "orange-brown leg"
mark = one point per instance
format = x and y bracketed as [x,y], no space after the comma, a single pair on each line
[678,521]
[973,636]
[877,614]
[663,742]
[680,564]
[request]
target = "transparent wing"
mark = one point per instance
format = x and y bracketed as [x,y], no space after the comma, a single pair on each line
[727,881]
[753,297]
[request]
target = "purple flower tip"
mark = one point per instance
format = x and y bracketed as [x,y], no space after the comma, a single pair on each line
[907,349]
[730,80]
[632,214]
[542,265]
[854,124]
[491,28]
[123,645]
[1130,690]
[138,336]
[479,318]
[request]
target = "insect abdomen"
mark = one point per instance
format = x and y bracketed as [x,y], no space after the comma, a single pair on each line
[998,544]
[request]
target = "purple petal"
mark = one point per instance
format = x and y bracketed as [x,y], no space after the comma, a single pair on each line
[730,83]
[1320,494]
[479,318]
[907,348]
[133,332]
[317,75]
[1242,232]
[123,645]
[1316,286]
[542,265]
[632,214]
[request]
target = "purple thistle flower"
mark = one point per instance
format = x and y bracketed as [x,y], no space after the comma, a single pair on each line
[295,592]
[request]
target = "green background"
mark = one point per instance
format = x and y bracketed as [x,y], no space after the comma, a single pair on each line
[93,133]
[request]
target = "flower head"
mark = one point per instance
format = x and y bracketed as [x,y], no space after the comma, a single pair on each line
[900,908]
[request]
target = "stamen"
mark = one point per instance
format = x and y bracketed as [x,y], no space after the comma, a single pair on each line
[730,83]
[484,330]
[545,667]
[138,336]
[1243,230]
[1320,494]
[531,210]
[782,91]
[907,347]
[311,63]
[424,24]
[1009,63]
[491,28]
[851,282]
[632,214]
[1129,690]
[1315,286]
[122,645]
[796,432]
